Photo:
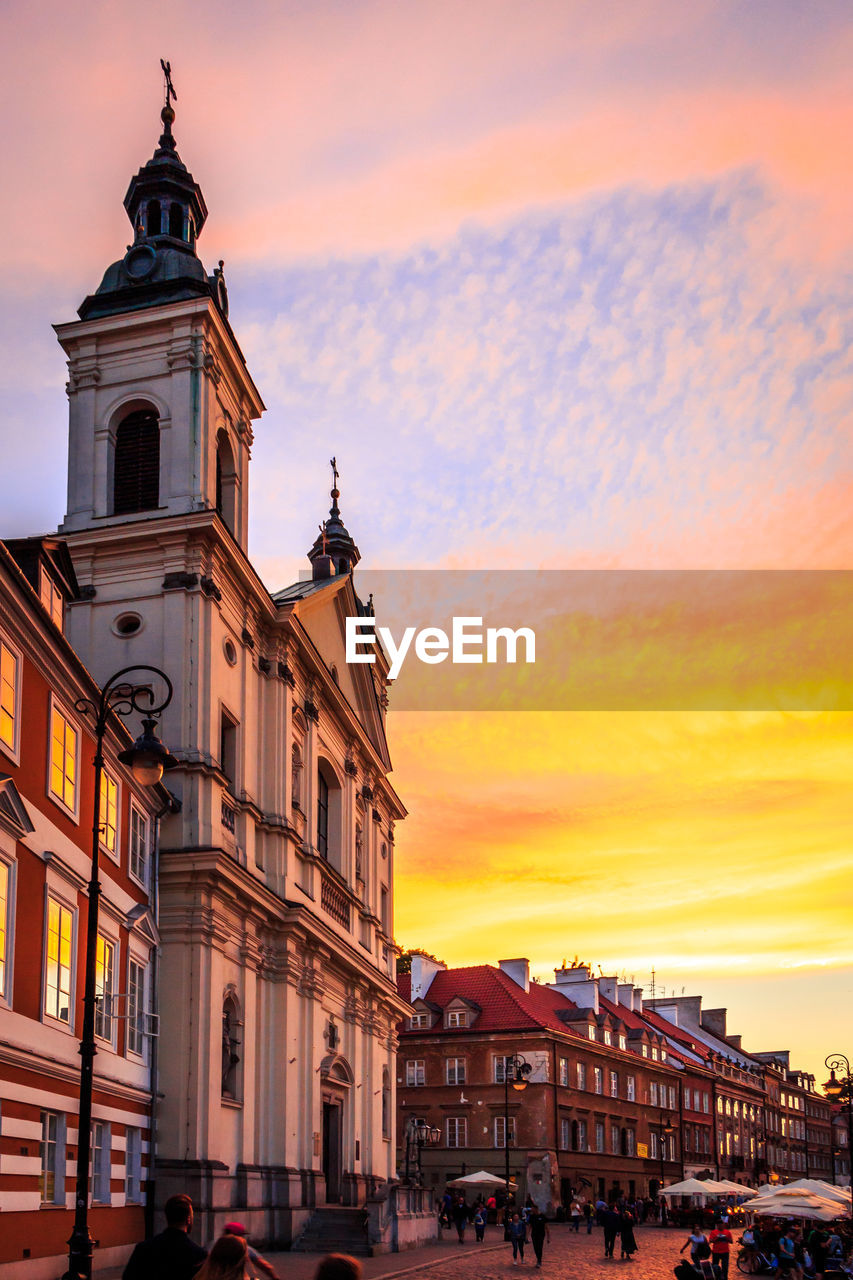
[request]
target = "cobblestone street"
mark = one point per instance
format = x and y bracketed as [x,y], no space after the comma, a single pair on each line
[568,1257]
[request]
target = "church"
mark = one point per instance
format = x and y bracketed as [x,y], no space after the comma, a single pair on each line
[277,1000]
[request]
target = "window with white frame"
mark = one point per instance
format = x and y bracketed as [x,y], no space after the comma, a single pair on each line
[101,1158]
[564,1072]
[631,1088]
[615,1139]
[456,1129]
[644,1050]
[52,1157]
[614,1084]
[655,1053]
[590,1031]
[564,1133]
[671,1091]
[455,1070]
[599,1135]
[109,814]
[498,1069]
[138,856]
[419,1021]
[501,1131]
[582,1136]
[654,1145]
[608,1036]
[415,1074]
[631,1142]
[64,753]
[7,919]
[59,962]
[136,1006]
[133,1166]
[51,597]
[597,1080]
[10,698]
[623,1041]
[687,1096]
[653,1093]
[581,1074]
[105,968]
[457,1018]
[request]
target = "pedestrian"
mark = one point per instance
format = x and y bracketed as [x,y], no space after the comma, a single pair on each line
[626,1231]
[228,1260]
[518,1237]
[587,1213]
[575,1216]
[481,1217]
[788,1266]
[611,1223]
[237,1229]
[460,1217]
[696,1238]
[720,1240]
[338,1266]
[539,1233]
[171,1255]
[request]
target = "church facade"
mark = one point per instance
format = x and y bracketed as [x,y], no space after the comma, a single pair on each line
[278,1005]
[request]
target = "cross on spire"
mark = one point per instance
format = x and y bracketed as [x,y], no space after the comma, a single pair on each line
[169,87]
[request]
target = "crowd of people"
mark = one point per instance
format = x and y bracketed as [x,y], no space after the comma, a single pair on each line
[172,1255]
[775,1248]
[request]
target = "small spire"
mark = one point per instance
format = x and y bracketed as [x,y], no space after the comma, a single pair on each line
[167,115]
[336,493]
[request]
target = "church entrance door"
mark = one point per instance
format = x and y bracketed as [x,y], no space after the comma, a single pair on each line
[332,1149]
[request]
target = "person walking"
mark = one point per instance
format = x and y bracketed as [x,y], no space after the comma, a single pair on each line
[228,1260]
[587,1213]
[171,1255]
[721,1242]
[460,1217]
[259,1263]
[696,1238]
[481,1217]
[626,1232]
[539,1233]
[518,1237]
[610,1222]
[338,1266]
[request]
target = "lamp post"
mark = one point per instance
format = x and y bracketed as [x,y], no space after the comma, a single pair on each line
[516,1071]
[147,758]
[419,1134]
[664,1130]
[834,1089]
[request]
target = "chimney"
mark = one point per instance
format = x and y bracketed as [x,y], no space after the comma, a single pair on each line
[578,985]
[607,988]
[322,567]
[424,969]
[625,994]
[518,970]
[735,1042]
[637,1002]
[714,1021]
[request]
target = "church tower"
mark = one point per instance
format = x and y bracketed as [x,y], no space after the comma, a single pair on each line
[277,993]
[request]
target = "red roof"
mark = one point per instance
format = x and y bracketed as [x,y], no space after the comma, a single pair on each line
[505,1006]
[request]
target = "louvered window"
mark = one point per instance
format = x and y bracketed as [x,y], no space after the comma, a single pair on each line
[137,464]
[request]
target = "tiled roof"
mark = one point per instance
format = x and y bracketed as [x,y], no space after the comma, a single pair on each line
[504,1005]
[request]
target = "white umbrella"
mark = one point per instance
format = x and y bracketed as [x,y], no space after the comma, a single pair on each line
[825,1189]
[694,1187]
[480,1181]
[795,1202]
[736,1188]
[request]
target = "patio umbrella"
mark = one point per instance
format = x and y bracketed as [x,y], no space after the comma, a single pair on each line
[694,1187]
[825,1189]
[481,1181]
[795,1202]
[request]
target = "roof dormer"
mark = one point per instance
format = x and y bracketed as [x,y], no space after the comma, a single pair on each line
[460,1013]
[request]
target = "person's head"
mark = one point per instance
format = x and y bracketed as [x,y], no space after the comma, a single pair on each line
[235,1229]
[696,1228]
[179,1212]
[226,1260]
[339,1266]
[515,1217]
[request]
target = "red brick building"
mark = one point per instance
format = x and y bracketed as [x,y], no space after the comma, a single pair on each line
[46,816]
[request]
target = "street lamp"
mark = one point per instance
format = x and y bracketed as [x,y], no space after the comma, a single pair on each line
[834,1089]
[664,1130]
[419,1135]
[147,759]
[516,1071]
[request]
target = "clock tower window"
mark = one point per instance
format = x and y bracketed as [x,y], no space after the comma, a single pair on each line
[136,470]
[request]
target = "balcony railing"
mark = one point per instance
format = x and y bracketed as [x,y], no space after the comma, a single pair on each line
[229,816]
[335,902]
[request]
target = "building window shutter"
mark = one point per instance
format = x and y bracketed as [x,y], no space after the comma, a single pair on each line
[137,464]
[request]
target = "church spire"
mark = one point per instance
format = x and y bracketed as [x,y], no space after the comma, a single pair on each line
[333,547]
[167,211]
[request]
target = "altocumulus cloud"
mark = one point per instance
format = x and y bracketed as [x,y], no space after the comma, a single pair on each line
[601,381]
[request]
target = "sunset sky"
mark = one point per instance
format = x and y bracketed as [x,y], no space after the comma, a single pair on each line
[563,286]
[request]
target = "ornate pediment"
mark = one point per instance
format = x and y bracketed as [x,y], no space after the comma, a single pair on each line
[141,920]
[13,812]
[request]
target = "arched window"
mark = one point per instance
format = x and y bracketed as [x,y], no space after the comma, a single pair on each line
[153,217]
[386,1103]
[226,480]
[136,472]
[176,221]
[231,1042]
[328,814]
